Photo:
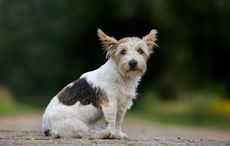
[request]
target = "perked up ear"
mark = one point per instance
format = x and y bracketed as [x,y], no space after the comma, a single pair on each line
[150,39]
[109,43]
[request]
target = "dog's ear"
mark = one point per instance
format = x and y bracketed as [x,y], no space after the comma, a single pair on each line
[109,43]
[150,39]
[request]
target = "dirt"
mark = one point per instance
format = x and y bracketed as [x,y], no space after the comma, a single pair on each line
[25,130]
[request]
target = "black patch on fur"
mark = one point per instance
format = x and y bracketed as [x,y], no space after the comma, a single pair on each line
[47,132]
[83,92]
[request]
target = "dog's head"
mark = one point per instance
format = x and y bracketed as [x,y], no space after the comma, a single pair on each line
[130,53]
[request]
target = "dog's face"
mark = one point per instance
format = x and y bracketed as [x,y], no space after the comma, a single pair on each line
[130,53]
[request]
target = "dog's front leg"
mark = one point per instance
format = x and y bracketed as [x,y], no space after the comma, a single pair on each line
[110,113]
[120,116]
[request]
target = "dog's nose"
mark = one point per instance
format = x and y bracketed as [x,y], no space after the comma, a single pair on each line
[133,64]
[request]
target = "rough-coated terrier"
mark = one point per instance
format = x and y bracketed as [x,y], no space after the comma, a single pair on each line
[104,94]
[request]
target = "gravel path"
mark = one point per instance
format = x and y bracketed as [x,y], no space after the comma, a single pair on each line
[25,130]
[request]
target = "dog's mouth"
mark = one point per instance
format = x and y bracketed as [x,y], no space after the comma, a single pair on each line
[135,69]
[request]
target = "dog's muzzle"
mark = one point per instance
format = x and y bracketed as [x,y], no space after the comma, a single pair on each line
[133,65]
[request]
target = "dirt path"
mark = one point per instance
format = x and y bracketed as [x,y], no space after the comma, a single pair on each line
[26,130]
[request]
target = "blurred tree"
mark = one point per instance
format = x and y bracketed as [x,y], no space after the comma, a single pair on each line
[46,44]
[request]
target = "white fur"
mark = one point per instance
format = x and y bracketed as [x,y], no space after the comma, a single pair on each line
[73,121]
[82,120]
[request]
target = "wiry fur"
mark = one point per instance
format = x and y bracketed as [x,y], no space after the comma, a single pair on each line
[104,94]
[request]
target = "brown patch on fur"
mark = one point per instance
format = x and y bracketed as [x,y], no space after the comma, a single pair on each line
[103,99]
[104,102]
[84,92]
[150,39]
[146,56]
[62,92]
[109,43]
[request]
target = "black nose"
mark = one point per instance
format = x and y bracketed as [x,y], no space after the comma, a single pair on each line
[133,64]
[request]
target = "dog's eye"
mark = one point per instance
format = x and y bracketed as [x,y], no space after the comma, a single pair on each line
[123,52]
[140,51]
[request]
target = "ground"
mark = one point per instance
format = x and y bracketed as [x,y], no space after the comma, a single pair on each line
[25,130]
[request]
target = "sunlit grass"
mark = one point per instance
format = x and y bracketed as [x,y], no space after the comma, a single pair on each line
[201,109]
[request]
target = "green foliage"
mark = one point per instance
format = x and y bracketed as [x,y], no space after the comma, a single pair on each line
[200,108]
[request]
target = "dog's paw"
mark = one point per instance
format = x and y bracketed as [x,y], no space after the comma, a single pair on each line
[118,135]
[122,135]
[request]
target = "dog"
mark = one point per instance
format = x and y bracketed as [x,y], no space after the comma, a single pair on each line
[94,105]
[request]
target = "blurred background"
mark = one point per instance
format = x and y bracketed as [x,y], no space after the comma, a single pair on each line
[45,44]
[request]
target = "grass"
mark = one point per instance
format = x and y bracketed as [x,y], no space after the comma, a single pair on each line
[17,108]
[10,106]
[200,110]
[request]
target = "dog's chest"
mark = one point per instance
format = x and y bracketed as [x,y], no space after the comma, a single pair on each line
[128,93]
[123,92]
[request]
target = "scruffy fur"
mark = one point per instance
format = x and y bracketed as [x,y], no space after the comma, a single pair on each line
[104,94]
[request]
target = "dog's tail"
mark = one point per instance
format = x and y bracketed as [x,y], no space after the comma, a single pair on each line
[47,132]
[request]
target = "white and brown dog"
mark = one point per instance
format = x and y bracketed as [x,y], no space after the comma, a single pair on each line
[102,95]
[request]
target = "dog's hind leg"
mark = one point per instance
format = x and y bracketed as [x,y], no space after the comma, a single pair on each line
[70,127]
[76,128]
